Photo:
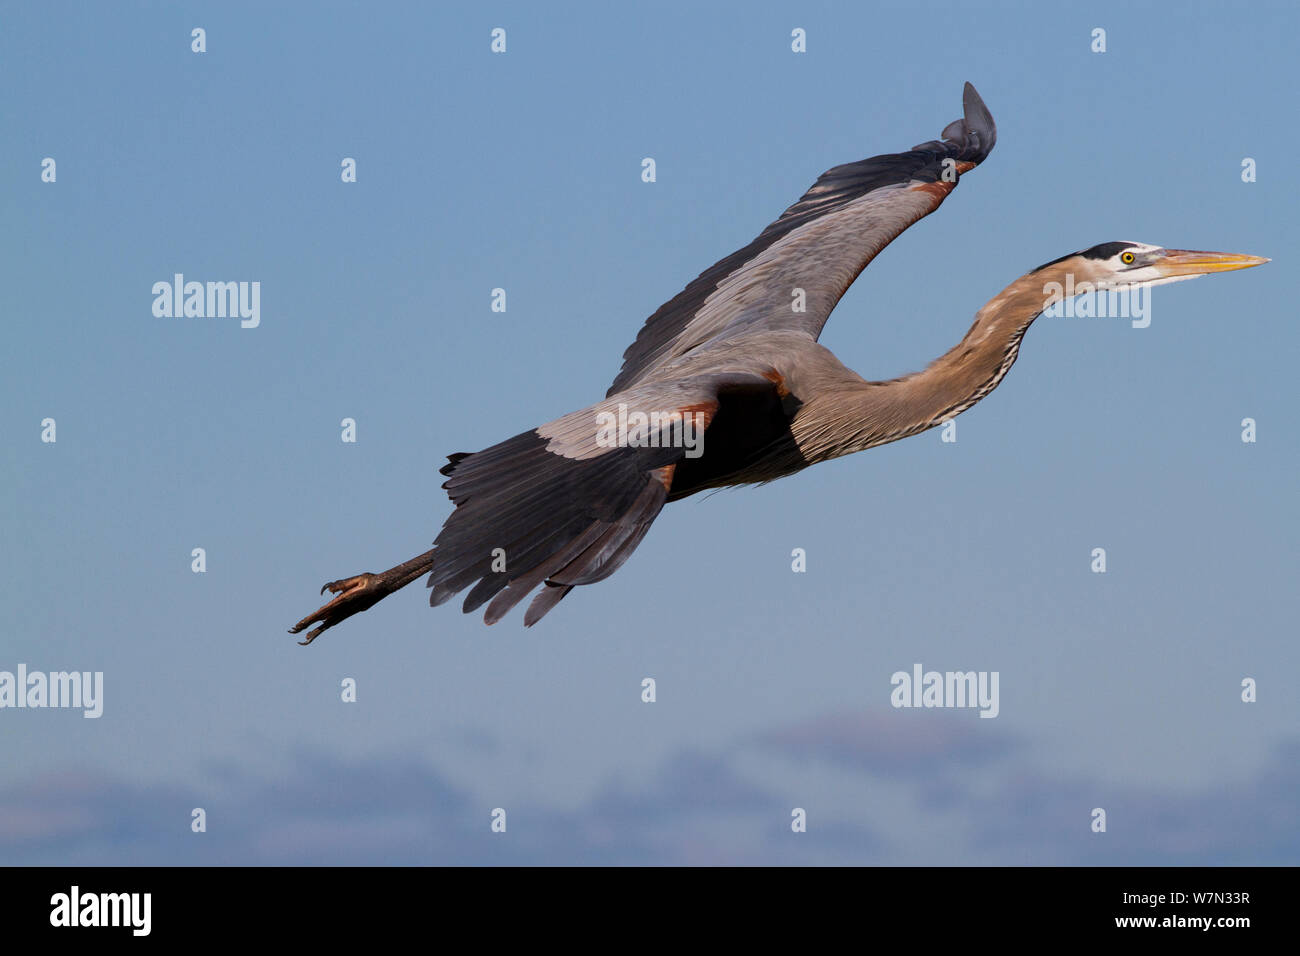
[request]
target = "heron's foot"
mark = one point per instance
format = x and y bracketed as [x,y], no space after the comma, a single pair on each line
[355,594]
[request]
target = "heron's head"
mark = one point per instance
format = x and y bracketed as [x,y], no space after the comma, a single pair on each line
[1120,264]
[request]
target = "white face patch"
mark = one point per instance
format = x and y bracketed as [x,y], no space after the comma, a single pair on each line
[1126,275]
[1140,250]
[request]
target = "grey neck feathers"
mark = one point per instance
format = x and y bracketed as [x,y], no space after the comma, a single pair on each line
[867,414]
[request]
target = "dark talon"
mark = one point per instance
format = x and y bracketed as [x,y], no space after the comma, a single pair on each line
[358,593]
[354,594]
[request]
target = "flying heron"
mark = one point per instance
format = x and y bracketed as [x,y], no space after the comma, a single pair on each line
[726,384]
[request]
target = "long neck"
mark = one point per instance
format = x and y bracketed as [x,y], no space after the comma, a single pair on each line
[867,414]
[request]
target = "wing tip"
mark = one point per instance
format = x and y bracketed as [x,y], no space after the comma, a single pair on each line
[975,132]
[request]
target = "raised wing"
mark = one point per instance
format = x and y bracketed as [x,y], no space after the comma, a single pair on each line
[819,245]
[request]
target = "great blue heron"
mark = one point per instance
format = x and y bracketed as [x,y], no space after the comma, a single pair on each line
[736,354]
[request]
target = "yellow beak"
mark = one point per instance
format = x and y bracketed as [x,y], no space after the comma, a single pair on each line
[1185,262]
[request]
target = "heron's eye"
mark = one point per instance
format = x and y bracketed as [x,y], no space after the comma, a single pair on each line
[1127,258]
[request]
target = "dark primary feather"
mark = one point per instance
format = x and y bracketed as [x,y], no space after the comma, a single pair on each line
[563,510]
[548,515]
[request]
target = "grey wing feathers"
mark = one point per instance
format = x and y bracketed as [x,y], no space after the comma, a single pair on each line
[820,245]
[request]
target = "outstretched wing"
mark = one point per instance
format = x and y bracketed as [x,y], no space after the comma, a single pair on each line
[819,245]
[568,502]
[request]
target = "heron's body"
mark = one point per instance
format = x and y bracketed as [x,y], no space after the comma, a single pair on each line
[736,351]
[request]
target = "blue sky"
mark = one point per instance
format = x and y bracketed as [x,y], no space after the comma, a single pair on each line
[522,171]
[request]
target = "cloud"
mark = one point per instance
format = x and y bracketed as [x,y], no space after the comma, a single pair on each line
[986,795]
[1235,822]
[895,743]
